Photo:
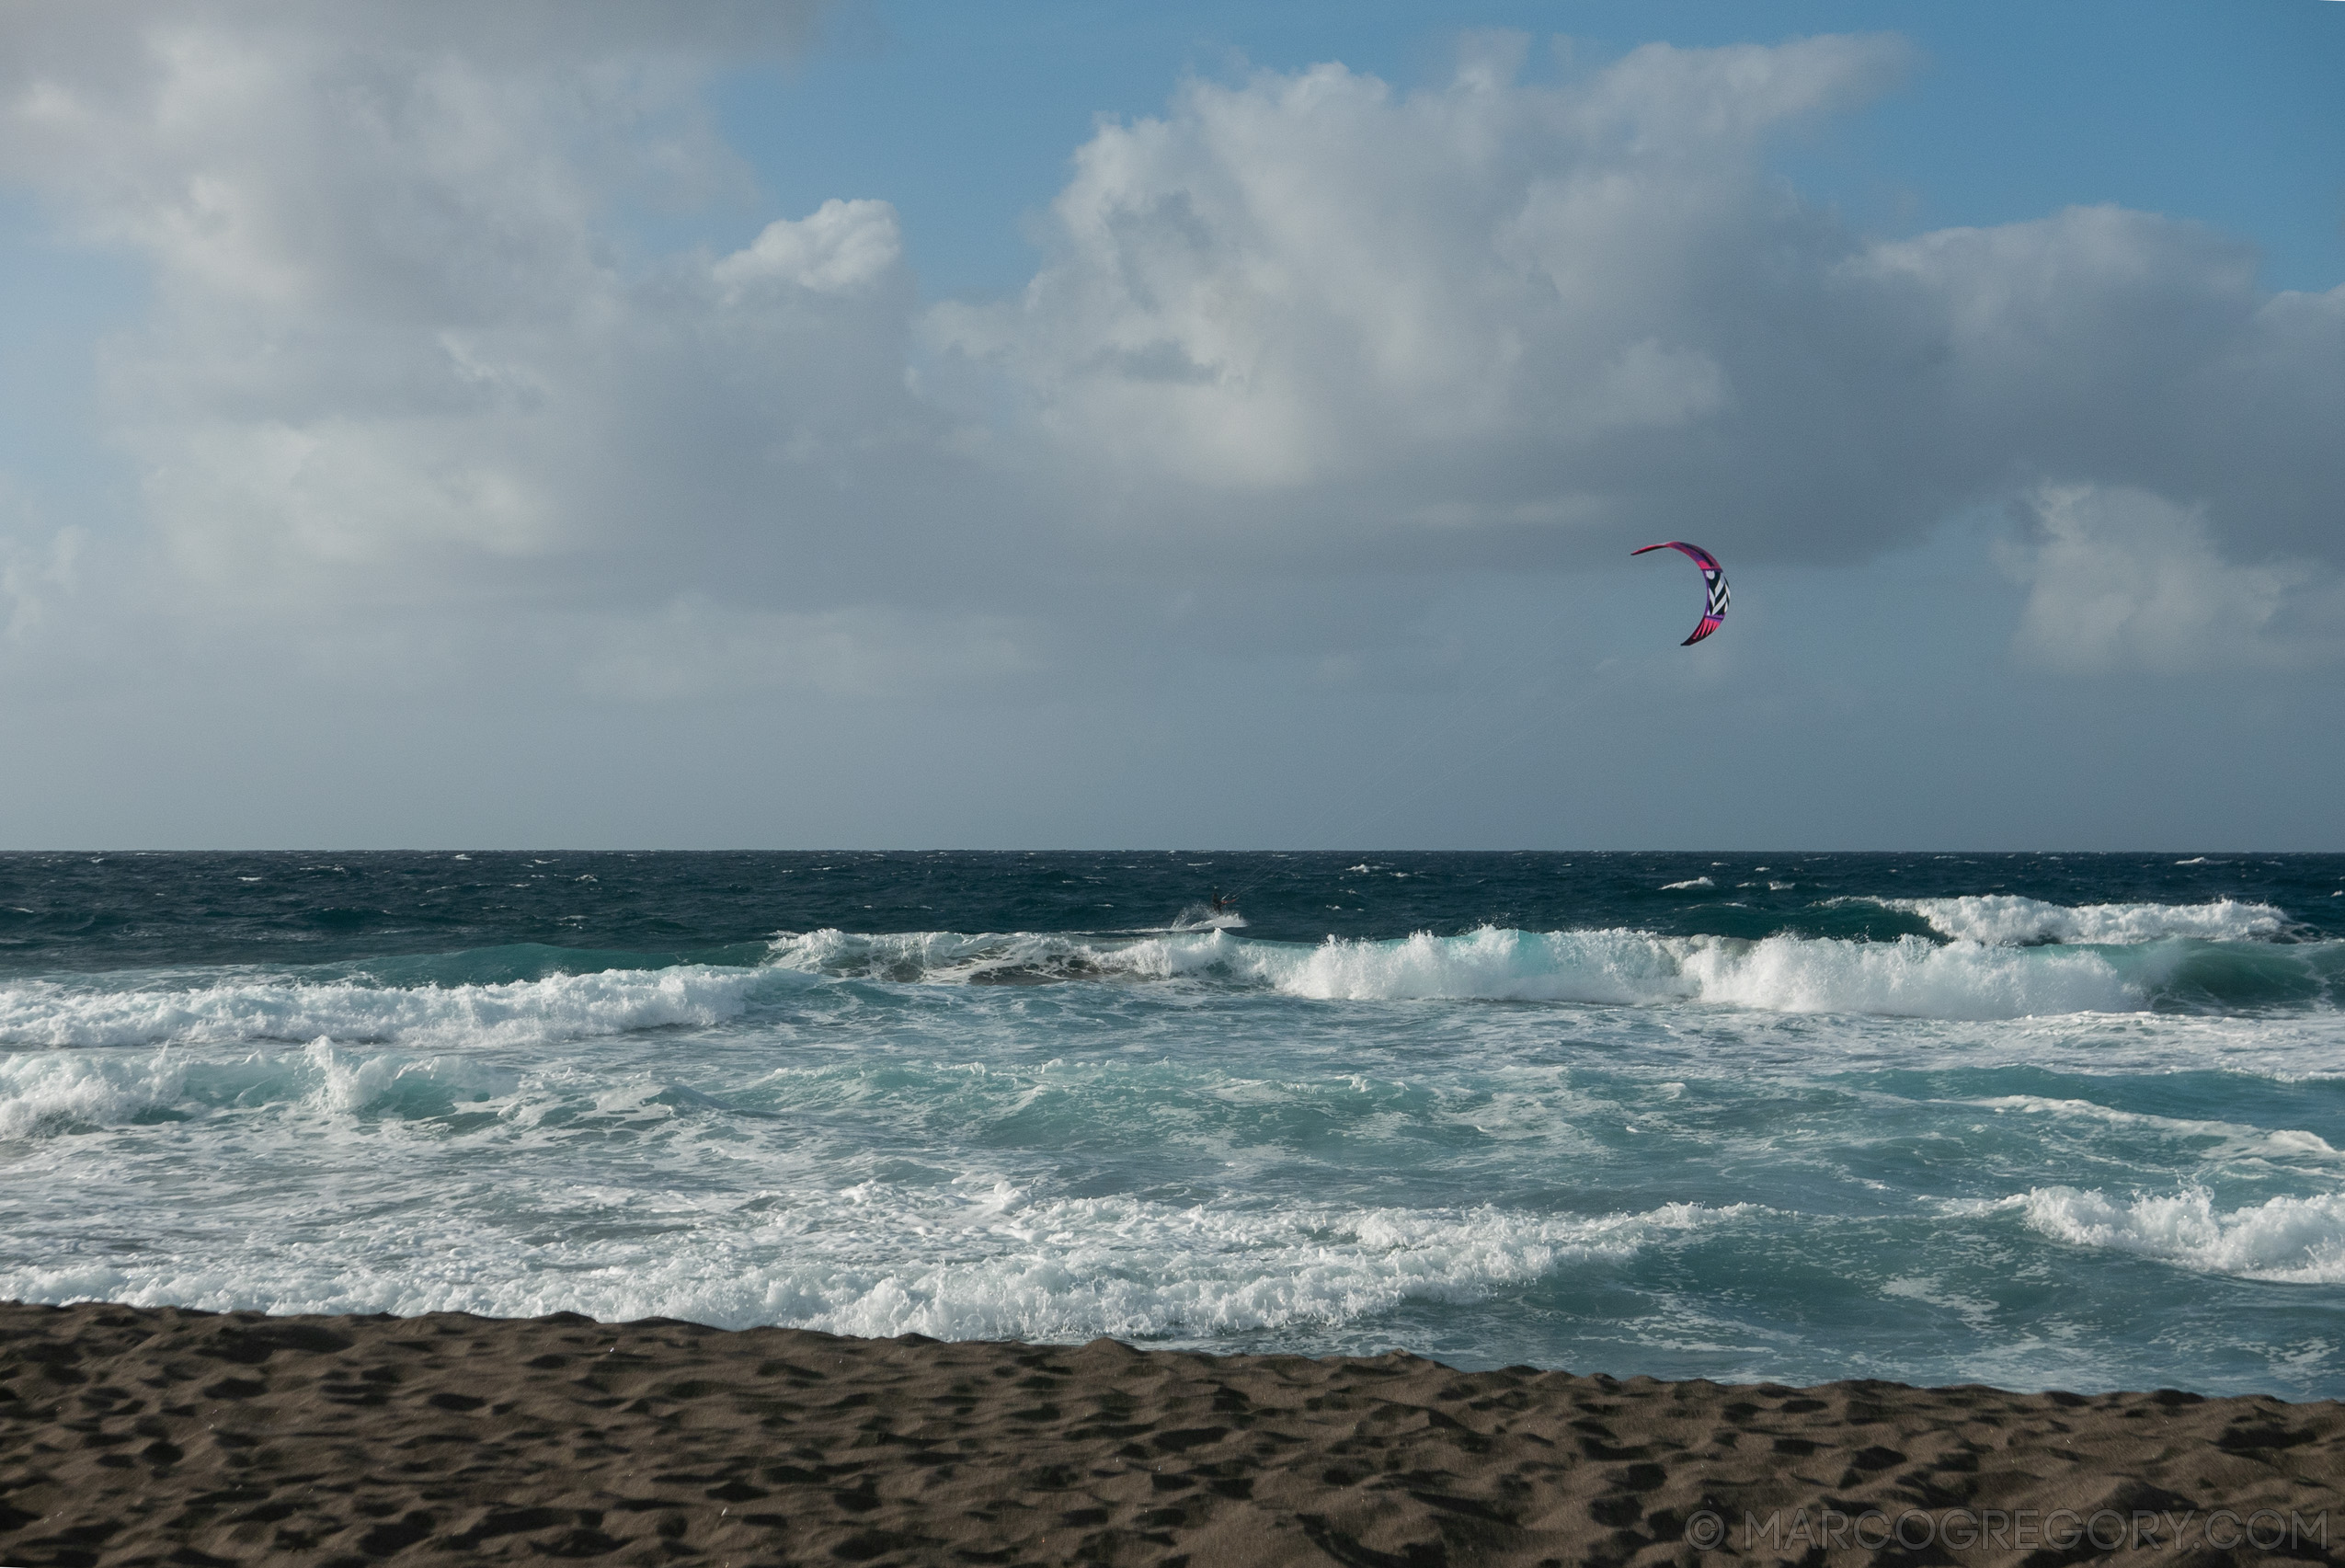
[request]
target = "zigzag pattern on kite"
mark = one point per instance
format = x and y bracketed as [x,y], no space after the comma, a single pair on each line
[1714,578]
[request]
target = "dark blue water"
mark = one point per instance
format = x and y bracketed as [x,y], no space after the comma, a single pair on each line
[126,911]
[2029,1119]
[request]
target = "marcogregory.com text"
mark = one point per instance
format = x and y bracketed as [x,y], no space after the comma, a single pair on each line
[2009,1529]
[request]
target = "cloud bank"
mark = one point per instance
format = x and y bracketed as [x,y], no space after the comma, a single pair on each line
[1533,320]
[402,341]
[416,380]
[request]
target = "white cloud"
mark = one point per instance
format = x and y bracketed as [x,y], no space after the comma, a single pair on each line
[399,352]
[843,246]
[1312,279]
[1504,322]
[2123,581]
[405,355]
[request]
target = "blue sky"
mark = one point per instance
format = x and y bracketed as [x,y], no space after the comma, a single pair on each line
[2226,114]
[1039,425]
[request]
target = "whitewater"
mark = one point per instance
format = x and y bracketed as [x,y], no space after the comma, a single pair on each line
[2032,1120]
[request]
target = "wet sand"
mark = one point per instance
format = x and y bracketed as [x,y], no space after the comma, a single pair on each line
[162,1436]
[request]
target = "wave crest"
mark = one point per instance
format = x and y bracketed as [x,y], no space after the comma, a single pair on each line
[1909,978]
[1044,1270]
[286,1010]
[2296,1241]
[2008,920]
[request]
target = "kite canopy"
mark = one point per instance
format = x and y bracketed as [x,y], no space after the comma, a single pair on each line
[1714,578]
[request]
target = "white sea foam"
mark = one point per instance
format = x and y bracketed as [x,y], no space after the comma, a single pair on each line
[1910,977]
[875,1260]
[945,957]
[47,1091]
[1785,974]
[2006,919]
[2297,1240]
[2286,1048]
[1689,882]
[40,1090]
[2227,1140]
[43,1013]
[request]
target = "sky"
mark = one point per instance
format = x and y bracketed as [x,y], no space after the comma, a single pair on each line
[764,424]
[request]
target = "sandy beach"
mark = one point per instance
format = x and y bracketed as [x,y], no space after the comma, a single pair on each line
[166,1436]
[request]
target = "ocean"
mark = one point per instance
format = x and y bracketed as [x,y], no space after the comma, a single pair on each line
[2035,1120]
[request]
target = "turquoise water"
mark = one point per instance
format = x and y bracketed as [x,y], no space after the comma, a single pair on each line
[2038,1121]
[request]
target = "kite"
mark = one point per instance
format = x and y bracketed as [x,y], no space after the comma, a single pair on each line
[1714,578]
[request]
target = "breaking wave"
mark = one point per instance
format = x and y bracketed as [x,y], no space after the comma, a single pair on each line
[1784,974]
[2007,919]
[2296,1241]
[864,1261]
[50,1093]
[286,1009]
[1911,978]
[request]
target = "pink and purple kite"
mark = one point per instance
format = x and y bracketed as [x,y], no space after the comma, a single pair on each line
[1714,578]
